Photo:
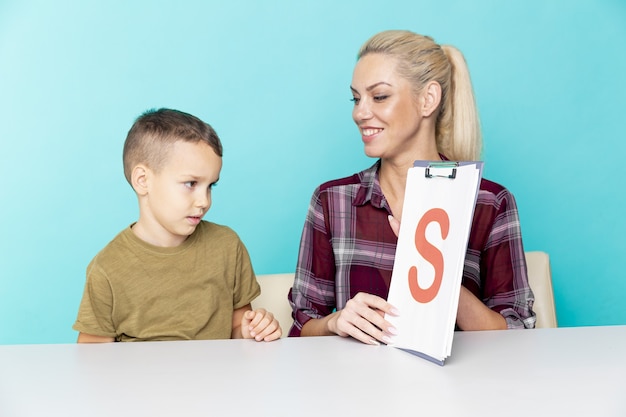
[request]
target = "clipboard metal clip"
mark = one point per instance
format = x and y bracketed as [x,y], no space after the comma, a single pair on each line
[441,165]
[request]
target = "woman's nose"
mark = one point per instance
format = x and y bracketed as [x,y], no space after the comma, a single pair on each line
[361,111]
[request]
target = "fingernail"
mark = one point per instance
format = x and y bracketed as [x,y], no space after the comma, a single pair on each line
[374,342]
[392,330]
[252,334]
[386,339]
[394,311]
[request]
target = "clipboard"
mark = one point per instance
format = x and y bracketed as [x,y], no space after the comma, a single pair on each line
[437,215]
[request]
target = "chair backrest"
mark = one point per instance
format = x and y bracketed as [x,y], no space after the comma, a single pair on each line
[275,287]
[540,280]
[274,290]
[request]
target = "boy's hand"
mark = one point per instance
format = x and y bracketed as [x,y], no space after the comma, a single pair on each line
[260,325]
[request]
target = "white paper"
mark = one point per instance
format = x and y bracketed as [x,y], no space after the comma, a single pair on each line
[435,255]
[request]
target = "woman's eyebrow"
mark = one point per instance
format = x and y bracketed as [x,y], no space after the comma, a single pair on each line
[371,87]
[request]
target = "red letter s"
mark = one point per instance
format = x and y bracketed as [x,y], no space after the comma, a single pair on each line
[430,254]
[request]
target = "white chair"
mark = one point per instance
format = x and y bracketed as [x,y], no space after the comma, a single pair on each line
[274,290]
[540,280]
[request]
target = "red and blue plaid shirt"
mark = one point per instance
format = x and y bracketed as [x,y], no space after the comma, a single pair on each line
[348,247]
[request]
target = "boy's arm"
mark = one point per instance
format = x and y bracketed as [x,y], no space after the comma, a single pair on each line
[90,338]
[258,324]
[237,318]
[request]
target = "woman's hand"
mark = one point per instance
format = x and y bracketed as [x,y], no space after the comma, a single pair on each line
[363,319]
[395,225]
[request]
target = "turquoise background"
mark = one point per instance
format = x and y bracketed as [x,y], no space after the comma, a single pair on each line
[273,79]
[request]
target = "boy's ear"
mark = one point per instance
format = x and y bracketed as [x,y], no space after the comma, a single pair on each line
[431,97]
[139,178]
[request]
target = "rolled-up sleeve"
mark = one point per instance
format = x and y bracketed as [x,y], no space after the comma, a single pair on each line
[501,262]
[313,292]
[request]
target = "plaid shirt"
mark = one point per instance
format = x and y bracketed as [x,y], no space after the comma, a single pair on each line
[348,247]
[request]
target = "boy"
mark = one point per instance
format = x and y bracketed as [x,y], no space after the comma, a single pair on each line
[172,275]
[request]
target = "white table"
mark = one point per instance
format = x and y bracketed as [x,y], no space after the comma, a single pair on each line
[567,371]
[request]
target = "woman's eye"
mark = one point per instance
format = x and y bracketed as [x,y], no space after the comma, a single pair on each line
[355,100]
[380,98]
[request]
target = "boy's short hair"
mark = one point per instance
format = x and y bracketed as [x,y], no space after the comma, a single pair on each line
[155,131]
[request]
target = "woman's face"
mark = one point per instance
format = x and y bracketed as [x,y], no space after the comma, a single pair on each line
[385,108]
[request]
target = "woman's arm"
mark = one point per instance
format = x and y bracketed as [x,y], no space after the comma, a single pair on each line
[473,314]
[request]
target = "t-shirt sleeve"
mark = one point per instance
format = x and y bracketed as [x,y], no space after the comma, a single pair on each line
[96,306]
[246,286]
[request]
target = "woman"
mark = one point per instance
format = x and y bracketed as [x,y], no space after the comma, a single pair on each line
[413,100]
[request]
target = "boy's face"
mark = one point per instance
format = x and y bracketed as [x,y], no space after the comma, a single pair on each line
[179,195]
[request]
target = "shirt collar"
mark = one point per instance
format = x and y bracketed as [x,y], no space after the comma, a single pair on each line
[369,190]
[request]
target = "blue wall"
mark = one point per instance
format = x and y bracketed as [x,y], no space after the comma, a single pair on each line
[272,78]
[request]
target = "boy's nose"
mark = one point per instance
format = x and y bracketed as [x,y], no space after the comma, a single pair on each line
[204,201]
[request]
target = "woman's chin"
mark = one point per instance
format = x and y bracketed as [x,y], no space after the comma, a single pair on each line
[372,152]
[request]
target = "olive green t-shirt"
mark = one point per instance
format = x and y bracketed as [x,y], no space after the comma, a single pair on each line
[136,291]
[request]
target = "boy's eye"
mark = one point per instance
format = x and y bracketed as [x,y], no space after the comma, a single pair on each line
[191,184]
